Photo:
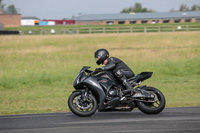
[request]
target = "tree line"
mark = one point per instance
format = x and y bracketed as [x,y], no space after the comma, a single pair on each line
[184,7]
[136,8]
[139,8]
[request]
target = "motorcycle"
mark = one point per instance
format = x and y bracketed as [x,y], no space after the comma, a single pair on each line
[102,92]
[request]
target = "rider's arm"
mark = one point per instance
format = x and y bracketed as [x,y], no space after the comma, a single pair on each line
[109,66]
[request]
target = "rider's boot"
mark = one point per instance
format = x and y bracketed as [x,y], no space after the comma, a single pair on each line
[129,88]
[122,78]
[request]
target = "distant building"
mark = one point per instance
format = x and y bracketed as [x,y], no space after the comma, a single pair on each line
[30,21]
[61,22]
[139,18]
[10,20]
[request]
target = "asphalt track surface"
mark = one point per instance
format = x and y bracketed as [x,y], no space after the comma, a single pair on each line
[180,120]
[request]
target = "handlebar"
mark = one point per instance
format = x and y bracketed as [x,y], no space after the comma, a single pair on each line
[90,72]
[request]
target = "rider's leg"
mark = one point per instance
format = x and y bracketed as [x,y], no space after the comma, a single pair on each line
[122,78]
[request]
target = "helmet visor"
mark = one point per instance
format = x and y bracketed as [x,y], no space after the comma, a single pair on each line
[97,59]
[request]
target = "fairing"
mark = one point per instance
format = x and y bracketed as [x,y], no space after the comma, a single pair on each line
[98,85]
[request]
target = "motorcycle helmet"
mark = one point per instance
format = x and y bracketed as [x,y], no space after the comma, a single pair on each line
[101,55]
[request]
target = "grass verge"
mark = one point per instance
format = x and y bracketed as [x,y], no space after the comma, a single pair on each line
[37,72]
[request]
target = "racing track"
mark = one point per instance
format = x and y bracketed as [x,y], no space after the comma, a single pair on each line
[182,120]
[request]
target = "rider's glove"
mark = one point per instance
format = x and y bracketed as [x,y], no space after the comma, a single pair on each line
[97,70]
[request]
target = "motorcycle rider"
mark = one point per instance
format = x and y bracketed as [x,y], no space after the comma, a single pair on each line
[121,71]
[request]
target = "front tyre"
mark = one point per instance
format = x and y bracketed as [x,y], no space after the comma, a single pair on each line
[152,106]
[82,107]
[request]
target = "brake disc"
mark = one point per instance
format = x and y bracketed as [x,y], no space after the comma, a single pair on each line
[81,105]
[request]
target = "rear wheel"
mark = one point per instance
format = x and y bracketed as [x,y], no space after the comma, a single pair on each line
[152,106]
[82,107]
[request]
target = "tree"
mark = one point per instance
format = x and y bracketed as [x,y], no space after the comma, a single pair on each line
[11,9]
[195,7]
[172,10]
[2,5]
[183,7]
[136,8]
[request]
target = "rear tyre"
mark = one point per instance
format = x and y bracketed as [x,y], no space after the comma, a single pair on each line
[157,104]
[80,106]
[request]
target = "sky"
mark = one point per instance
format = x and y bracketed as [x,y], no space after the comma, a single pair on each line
[59,9]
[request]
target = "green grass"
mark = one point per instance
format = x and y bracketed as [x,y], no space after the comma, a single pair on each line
[37,72]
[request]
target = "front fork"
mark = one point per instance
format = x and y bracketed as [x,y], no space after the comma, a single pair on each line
[84,94]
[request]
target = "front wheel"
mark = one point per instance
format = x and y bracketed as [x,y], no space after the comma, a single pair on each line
[82,107]
[152,106]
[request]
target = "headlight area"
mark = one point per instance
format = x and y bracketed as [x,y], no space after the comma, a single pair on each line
[79,78]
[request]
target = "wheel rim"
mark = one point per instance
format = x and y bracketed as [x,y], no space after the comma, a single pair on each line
[154,103]
[83,105]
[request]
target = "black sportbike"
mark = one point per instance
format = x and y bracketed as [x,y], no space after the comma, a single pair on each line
[102,92]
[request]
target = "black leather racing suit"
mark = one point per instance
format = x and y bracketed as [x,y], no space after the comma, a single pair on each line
[121,71]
